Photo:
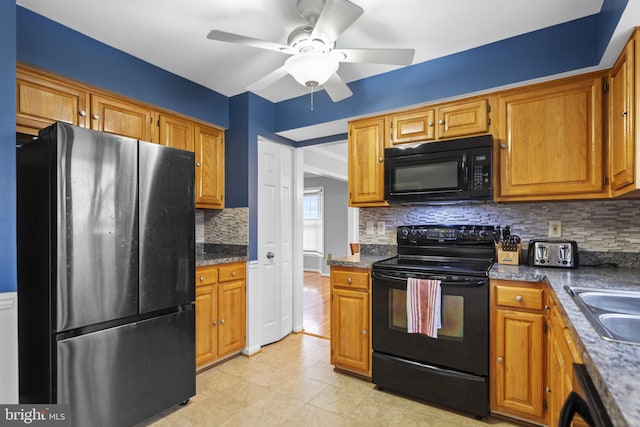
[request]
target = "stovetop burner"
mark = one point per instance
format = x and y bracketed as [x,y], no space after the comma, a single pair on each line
[446,249]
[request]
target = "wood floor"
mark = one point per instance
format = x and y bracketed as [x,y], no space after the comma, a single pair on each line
[315,320]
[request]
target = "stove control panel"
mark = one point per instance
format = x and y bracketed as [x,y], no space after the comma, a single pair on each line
[443,234]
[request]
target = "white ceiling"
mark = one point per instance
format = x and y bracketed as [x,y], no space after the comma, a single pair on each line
[172,34]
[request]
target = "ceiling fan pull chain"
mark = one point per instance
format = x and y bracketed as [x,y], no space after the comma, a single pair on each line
[311,98]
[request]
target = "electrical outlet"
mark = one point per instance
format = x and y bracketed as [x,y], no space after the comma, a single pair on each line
[555,229]
[370,227]
[381,227]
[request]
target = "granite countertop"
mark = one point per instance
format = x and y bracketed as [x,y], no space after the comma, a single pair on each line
[213,259]
[614,367]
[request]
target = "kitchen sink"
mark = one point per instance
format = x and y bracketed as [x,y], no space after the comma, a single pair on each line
[615,314]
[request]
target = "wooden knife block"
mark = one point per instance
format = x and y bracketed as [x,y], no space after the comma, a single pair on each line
[508,257]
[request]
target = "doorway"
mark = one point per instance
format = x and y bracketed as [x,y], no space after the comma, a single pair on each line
[325,168]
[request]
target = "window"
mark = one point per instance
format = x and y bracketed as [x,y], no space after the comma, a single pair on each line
[313,241]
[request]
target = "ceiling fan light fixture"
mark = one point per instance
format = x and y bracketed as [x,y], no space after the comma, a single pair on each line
[311,68]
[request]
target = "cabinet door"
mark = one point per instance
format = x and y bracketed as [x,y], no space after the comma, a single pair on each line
[231,317]
[518,366]
[350,338]
[366,156]
[621,139]
[206,324]
[463,119]
[412,126]
[121,117]
[209,147]
[176,132]
[41,101]
[551,142]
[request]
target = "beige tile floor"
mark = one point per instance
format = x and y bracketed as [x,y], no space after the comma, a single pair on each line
[291,383]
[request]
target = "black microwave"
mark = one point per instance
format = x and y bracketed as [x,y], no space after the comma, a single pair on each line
[453,170]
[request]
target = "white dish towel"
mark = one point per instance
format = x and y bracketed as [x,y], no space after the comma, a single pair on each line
[424,307]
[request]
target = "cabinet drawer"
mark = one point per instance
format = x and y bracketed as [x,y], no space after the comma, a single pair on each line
[350,278]
[232,272]
[206,275]
[516,297]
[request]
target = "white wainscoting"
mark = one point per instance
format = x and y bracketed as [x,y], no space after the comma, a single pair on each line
[9,348]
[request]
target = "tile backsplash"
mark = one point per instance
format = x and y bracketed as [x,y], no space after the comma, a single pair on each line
[598,226]
[229,226]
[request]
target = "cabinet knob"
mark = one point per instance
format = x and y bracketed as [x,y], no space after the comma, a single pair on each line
[198,164]
[441,121]
[624,114]
[349,280]
[519,298]
[500,360]
[364,332]
[233,274]
[202,278]
[546,307]
[380,159]
[222,321]
[430,124]
[82,113]
[214,323]
[95,116]
[503,145]
[548,390]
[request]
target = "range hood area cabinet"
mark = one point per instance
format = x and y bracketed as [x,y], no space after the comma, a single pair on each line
[370,136]
[623,119]
[43,98]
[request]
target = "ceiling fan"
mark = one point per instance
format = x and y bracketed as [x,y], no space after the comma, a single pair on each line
[314,60]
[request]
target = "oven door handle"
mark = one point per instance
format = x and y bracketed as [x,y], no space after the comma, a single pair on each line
[448,282]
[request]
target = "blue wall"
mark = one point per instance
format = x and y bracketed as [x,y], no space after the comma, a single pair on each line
[8,281]
[54,47]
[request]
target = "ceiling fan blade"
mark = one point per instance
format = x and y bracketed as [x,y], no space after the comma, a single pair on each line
[268,80]
[336,88]
[248,41]
[377,56]
[336,17]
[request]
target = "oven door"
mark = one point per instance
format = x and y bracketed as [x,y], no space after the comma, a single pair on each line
[431,176]
[463,340]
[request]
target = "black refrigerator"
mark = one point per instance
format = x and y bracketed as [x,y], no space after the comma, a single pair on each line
[106,266]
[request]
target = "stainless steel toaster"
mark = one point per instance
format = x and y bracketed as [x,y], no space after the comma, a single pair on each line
[553,253]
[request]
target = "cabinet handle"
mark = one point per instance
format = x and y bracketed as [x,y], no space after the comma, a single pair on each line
[519,298]
[349,280]
[202,278]
[198,164]
[95,116]
[441,121]
[503,145]
[500,360]
[380,159]
[364,332]
[214,323]
[222,321]
[82,113]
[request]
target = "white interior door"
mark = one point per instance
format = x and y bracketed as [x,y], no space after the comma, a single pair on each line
[275,230]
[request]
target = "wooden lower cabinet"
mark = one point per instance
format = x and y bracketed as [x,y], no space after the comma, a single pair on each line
[220,312]
[517,349]
[351,319]
[562,353]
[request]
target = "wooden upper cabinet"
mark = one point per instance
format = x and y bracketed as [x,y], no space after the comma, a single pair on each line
[463,119]
[550,139]
[41,101]
[120,117]
[622,140]
[176,132]
[366,145]
[413,126]
[209,148]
